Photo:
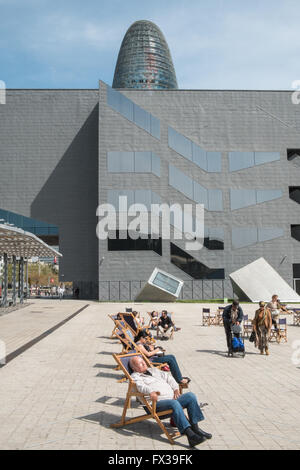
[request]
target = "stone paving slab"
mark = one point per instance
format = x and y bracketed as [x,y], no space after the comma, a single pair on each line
[24,324]
[63,392]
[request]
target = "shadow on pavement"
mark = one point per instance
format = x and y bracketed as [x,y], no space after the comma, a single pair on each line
[109,375]
[221,353]
[150,429]
[105,366]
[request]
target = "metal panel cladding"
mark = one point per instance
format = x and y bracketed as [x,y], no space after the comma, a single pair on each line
[144,60]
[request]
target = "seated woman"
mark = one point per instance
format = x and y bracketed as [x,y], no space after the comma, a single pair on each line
[153,353]
[139,320]
[154,319]
[276,308]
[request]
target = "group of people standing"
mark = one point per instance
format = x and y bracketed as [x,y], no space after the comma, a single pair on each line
[265,316]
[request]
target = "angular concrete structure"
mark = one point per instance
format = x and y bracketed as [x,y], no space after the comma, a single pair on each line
[259,281]
[160,287]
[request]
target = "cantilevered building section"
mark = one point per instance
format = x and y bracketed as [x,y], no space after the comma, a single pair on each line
[144,59]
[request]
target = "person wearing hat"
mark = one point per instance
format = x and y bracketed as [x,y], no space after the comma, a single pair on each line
[262,324]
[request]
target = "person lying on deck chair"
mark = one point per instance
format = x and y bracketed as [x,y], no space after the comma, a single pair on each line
[163,389]
[157,356]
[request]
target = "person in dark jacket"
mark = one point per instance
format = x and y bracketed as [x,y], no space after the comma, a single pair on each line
[232,315]
[165,325]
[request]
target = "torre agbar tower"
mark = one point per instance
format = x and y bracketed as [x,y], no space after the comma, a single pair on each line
[144,60]
[237,152]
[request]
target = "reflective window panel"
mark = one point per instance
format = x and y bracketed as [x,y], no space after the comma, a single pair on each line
[166,282]
[200,195]
[120,162]
[143,196]
[215,199]
[266,157]
[155,164]
[180,144]
[154,127]
[240,160]
[265,234]
[113,197]
[264,195]
[214,162]
[180,181]
[141,118]
[244,236]
[142,162]
[199,156]
[133,112]
[242,198]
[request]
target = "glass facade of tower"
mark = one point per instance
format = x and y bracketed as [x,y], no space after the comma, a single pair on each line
[144,60]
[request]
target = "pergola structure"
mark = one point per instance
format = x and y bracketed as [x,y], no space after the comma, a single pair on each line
[16,243]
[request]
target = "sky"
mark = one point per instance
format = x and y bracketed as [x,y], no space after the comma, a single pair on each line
[215,44]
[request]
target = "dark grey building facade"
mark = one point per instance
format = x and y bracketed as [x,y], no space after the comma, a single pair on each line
[65,152]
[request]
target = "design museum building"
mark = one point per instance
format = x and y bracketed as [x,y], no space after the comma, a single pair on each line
[65,152]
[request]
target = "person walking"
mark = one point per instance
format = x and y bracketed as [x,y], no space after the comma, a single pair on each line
[262,324]
[61,292]
[232,315]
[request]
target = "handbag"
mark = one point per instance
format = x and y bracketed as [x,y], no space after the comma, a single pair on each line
[252,337]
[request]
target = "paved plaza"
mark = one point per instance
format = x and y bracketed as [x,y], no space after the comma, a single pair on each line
[63,392]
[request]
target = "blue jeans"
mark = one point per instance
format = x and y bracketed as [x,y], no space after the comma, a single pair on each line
[188,401]
[172,363]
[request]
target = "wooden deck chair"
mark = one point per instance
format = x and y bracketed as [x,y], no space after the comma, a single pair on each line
[273,334]
[296,317]
[128,339]
[151,320]
[149,407]
[125,337]
[247,326]
[135,328]
[220,316]
[114,318]
[282,330]
[205,316]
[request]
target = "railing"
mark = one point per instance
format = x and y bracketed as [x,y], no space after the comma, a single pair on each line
[192,290]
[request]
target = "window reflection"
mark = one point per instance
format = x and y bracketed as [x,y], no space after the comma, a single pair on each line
[133,112]
[208,161]
[193,267]
[133,162]
[129,244]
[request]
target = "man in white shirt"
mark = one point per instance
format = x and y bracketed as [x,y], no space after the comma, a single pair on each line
[162,388]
